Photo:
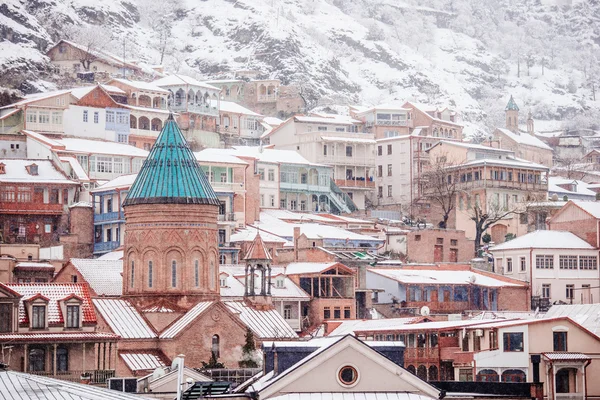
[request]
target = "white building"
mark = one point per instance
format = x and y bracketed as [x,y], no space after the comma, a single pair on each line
[558,265]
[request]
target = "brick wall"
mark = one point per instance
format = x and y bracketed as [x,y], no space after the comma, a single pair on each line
[421,246]
[514,299]
[586,229]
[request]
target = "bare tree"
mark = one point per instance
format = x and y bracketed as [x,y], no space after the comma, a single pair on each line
[439,187]
[159,17]
[571,167]
[89,41]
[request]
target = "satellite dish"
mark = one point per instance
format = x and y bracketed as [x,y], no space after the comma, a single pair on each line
[425,311]
[472,278]
[158,372]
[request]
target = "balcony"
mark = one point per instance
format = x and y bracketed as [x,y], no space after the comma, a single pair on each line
[226,186]
[228,217]
[303,187]
[355,160]
[358,183]
[99,377]
[489,183]
[267,98]
[105,247]
[31,208]
[109,217]
[181,106]
[422,354]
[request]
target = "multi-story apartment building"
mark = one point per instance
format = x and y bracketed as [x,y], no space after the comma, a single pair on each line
[559,266]
[494,181]
[239,125]
[336,142]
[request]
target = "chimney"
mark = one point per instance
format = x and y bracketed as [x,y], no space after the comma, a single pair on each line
[535,362]
[275,360]
[296,239]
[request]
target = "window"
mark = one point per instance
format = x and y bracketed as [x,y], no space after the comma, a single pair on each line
[272,200]
[337,313]
[560,341]
[62,359]
[131,283]
[569,293]
[150,272]
[110,117]
[5,317]
[567,262]
[96,116]
[196,273]
[389,193]
[389,149]
[513,341]
[272,175]
[348,151]
[546,290]
[324,149]
[347,313]
[73,316]
[322,128]
[417,238]
[588,262]
[293,204]
[348,375]
[287,312]
[37,360]
[523,264]
[326,313]
[380,191]
[38,320]
[379,150]
[465,342]
[222,259]
[279,283]
[173,273]
[44,117]
[215,346]
[544,262]
[509,267]
[389,170]
[261,173]
[493,339]
[223,280]
[453,242]
[85,116]
[380,170]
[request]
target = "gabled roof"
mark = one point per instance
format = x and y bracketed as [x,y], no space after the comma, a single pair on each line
[16,171]
[258,250]
[525,139]
[545,239]
[590,207]
[143,360]
[55,293]
[185,320]
[140,85]
[171,174]
[511,106]
[103,276]
[302,268]
[586,315]
[19,385]
[103,55]
[124,319]
[266,324]
[178,80]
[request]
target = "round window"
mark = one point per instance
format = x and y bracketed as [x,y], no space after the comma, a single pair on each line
[348,375]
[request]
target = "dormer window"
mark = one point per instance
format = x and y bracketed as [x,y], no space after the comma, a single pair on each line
[280,282]
[73,312]
[223,280]
[38,316]
[32,169]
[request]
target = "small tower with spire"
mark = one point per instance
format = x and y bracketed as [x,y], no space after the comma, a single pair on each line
[530,123]
[258,261]
[512,115]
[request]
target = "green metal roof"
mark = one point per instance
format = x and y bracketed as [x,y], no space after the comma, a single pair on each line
[171,174]
[511,106]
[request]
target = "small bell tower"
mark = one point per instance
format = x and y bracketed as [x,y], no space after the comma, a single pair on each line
[512,115]
[258,261]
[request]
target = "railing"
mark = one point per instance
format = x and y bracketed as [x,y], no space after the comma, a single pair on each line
[98,377]
[383,122]
[340,199]
[569,396]
[356,182]
[31,208]
[227,217]
[110,216]
[226,186]
[196,108]
[106,246]
[236,376]
[267,97]
[491,183]
[303,187]
[421,353]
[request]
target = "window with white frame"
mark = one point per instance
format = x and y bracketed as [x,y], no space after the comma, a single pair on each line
[44,117]
[104,164]
[73,316]
[96,117]
[272,200]
[588,262]
[567,262]
[272,175]
[293,204]
[85,116]
[38,320]
[570,291]
[223,177]
[261,174]
[509,265]
[287,311]
[110,117]
[546,290]
[523,264]
[223,280]
[57,118]
[118,165]
[544,261]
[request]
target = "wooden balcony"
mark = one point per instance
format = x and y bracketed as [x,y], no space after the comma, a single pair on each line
[422,354]
[30,208]
[355,183]
[500,184]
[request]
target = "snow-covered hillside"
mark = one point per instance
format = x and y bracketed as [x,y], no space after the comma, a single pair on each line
[463,53]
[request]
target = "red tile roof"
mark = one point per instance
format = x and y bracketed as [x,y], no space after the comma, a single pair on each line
[54,292]
[257,250]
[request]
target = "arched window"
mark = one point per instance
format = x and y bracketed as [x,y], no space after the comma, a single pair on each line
[433,373]
[173,273]
[37,360]
[62,359]
[513,375]
[222,259]
[215,346]
[411,369]
[132,122]
[132,272]
[487,375]
[422,372]
[150,272]
[211,277]
[196,273]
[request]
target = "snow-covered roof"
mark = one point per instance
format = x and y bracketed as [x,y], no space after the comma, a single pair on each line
[591,207]
[16,172]
[91,146]
[141,361]
[179,80]
[235,284]
[80,92]
[103,276]
[510,162]
[352,396]
[297,268]
[264,323]
[35,265]
[249,233]
[382,107]
[273,121]
[141,85]
[31,98]
[582,188]
[113,255]
[346,327]
[347,140]
[586,315]
[321,120]
[525,139]
[185,320]
[124,319]
[437,276]
[103,55]
[211,155]
[472,146]
[231,107]
[272,156]
[78,170]
[337,117]
[545,239]
[123,181]
[288,215]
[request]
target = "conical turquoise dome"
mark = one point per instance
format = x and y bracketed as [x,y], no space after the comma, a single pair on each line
[171,174]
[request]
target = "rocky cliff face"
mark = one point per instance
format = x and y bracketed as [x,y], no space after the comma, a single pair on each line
[460,53]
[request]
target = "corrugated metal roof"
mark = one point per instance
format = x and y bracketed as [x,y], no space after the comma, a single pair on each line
[62,336]
[175,328]
[19,386]
[352,396]
[123,319]
[137,361]
[103,276]
[54,292]
[586,315]
[265,324]
[171,173]
[566,356]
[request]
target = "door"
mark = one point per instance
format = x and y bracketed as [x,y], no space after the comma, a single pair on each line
[586,294]
[438,253]
[453,255]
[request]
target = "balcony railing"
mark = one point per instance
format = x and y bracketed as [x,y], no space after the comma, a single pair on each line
[354,160]
[267,98]
[110,216]
[421,353]
[179,105]
[30,208]
[227,217]
[356,182]
[102,247]
[489,183]
[98,377]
